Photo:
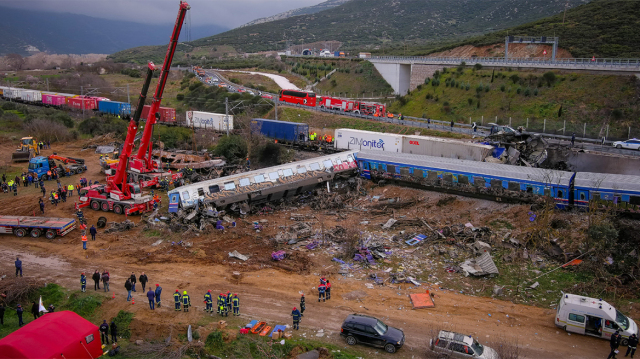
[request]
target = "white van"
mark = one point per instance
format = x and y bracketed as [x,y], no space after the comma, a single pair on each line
[593,317]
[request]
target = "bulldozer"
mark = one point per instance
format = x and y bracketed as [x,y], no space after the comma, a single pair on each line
[28,149]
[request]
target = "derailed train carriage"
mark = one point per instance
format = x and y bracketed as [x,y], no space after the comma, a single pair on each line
[263,185]
[502,183]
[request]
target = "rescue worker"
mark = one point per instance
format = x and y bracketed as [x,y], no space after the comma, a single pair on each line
[186,301]
[104,332]
[321,292]
[93,232]
[96,280]
[328,290]
[114,332]
[208,301]
[220,303]
[105,280]
[177,298]
[143,278]
[236,304]
[158,292]
[70,190]
[573,140]
[35,310]
[248,165]
[229,301]
[302,305]
[614,343]
[295,313]
[632,345]
[151,295]
[18,264]
[84,242]
[83,282]
[19,311]
[51,308]
[222,308]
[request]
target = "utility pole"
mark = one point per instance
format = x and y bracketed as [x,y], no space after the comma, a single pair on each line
[276,102]
[82,100]
[128,98]
[565,11]
[226,114]
[47,84]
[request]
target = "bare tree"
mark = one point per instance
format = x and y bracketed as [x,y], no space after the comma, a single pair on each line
[47,130]
[15,61]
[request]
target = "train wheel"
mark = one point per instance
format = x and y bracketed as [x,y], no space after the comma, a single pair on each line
[95,205]
[35,233]
[105,206]
[50,234]
[20,232]
[117,209]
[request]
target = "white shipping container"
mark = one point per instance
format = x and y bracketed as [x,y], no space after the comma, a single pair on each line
[209,120]
[439,147]
[349,139]
[32,96]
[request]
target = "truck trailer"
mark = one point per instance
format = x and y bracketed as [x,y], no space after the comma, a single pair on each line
[23,226]
[208,120]
[348,139]
[291,132]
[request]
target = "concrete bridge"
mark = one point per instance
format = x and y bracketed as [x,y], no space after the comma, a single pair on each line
[404,73]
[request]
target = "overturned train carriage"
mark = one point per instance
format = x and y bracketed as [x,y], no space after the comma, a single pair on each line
[264,185]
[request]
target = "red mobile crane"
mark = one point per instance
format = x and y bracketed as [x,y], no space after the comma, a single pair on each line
[142,167]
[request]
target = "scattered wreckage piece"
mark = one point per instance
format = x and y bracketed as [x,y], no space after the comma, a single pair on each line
[236,254]
[120,226]
[479,266]
[179,159]
[422,300]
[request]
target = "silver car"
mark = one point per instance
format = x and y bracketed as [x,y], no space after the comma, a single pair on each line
[455,345]
[632,144]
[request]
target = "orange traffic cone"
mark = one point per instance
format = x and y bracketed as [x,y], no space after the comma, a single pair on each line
[114,295]
[133,301]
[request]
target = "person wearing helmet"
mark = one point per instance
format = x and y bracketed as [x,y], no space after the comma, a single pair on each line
[229,301]
[302,305]
[177,298]
[222,307]
[208,301]
[83,282]
[186,301]
[158,291]
[295,313]
[220,303]
[236,304]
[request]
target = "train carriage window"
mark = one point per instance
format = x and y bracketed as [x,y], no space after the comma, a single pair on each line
[287,172]
[302,170]
[259,178]
[582,196]
[463,179]
[560,194]
[185,195]
[314,166]
[273,176]
[338,161]
[514,186]
[547,192]
[432,175]
[447,177]
[617,199]
[496,183]
[328,165]
[391,168]
[350,158]
[418,173]
[214,189]
[229,186]
[634,200]
[404,171]
[529,189]
[595,196]
[244,182]
[200,192]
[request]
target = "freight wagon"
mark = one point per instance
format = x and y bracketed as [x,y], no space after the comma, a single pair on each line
[440,147]
[56,101]
[291,132]
[81,103]
[348,139]
[167,115]
[31,96]
[208,120]
[23,226]
[114,108]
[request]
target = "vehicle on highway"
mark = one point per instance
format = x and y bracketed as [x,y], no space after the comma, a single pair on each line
[595,317]
[298,97]
[455,345]
[266,95]
[632,144]
[495,128]
[368,330]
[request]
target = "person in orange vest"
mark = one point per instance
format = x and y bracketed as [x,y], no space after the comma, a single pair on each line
[329,139]
[84,241]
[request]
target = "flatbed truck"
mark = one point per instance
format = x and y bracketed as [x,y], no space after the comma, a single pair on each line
[23,226]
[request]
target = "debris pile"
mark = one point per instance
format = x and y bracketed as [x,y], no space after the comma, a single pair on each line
[120,226]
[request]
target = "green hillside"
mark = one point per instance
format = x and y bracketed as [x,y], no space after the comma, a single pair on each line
[602,28]
[365,24]
[578,99]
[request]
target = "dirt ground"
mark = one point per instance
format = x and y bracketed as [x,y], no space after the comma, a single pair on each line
[269,290]
[515,50]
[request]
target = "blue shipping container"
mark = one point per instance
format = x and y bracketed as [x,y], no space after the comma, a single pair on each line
[114,108]
[280,130]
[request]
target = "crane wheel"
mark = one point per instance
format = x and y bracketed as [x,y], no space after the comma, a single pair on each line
[105,206]
[20,232]
[117,209]
[50,234]
[35,233]
[95,205]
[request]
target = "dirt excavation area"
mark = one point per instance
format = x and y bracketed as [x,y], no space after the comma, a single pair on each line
[356,236]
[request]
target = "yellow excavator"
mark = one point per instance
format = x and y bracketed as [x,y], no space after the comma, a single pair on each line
[28,149]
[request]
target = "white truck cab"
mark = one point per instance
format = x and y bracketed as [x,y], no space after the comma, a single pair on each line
[593,317]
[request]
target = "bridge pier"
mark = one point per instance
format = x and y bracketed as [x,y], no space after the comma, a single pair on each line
[398,75]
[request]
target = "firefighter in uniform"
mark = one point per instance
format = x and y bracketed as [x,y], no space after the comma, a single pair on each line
[222,307]
[295,313]
[219,303]
[186,301]
[302,305]
[236,305]
[228,302]
[177,297]
[83,282]
[209,301]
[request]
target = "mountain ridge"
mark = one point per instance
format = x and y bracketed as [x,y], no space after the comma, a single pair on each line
[299,11]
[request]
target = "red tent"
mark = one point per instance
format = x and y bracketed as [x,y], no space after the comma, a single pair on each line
[55,335]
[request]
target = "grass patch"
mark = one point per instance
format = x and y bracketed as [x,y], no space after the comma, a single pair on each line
[501,223]
[123,320]
[83,305]
[153,233]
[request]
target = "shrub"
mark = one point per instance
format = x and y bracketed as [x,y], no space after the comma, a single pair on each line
[214,341]
[470,101]
[527,92]
[535,92]
[503,88]
[477,67]
[518,90]
[467,87]
[233,148]
[426,81]
[515,78]
[123,319]
[550,77]
[487,88]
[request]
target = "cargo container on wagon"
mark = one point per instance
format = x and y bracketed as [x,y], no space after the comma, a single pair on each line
[209,120]
[348,139]
[32,96]
[167,115]
[114,108]
[53,100]
[81,103]
[280,130]
[440,147]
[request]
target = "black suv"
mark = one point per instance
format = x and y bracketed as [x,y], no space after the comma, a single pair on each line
[369,330]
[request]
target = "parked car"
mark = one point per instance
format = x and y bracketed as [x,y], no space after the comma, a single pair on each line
[266,95]
[371,331]
[632,144]
[456,345]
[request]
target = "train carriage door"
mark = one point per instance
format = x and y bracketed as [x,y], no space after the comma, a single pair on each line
[174,202]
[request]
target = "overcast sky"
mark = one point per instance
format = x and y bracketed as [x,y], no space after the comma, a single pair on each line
[228,13]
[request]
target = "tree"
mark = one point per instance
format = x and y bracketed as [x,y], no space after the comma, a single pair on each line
[550,77]
[515,78]
[16,62]
[477,66]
